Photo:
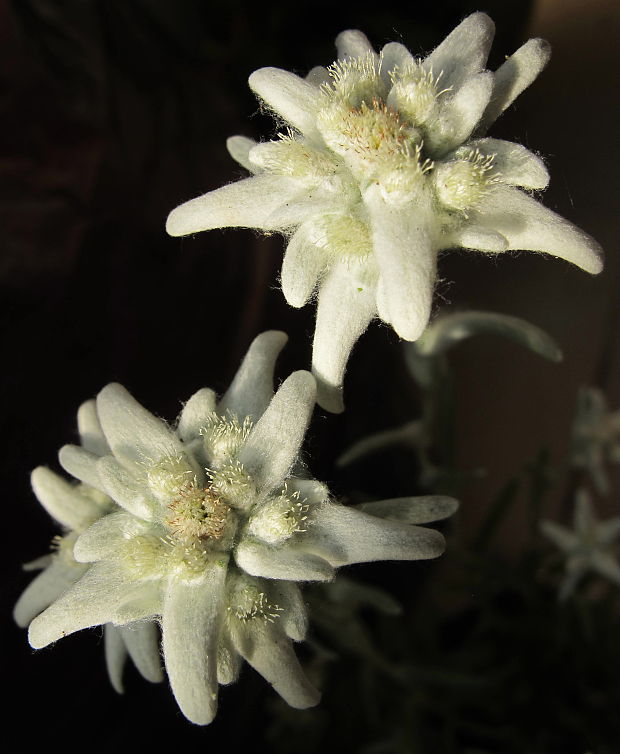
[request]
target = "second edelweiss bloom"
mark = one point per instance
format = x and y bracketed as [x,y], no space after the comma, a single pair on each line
[591,546]
[596,436]
[384,165]
[215,522]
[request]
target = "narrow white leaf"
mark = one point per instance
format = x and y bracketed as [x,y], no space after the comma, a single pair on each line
[190,625]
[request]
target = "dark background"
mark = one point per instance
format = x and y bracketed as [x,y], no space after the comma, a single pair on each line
[111,114]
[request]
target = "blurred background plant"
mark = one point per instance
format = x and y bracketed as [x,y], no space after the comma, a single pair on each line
[488,638]
[115,112]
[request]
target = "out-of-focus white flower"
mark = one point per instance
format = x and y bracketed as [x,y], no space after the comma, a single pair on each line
[590,546]
[215,526]
[76,507]
[596,436]
[384,165]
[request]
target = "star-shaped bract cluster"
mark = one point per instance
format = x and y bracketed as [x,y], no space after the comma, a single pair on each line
[589,547]
[214,523]
[383,164]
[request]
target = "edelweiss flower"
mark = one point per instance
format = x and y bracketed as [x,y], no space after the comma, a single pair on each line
[383,165]
[216,528]
[76,507]
[590,546]
[596,436]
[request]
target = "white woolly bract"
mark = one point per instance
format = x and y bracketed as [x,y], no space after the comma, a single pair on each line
[77,507]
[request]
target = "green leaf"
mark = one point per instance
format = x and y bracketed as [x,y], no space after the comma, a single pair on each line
[446,331]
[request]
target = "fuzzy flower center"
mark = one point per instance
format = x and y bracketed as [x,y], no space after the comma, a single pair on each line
[372,138]
[168,475]
[249,602]
[359,125]
[354,81]
[461,184]
[341,235]
[197,516]
[415,92]
[384,127]
[373,132]
[144,555]
[206,506]
[288,156]
[197,513]
[280,517]
[223,437]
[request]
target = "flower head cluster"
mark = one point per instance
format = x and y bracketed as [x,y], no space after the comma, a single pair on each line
[75,507]
[213,525]
[590,547]
[383,163]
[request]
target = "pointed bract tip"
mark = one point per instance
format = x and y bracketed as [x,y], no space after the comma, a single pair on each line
[597,263]
[257,79]
[328,396]
[349,34]
[39,475]
[311,698]
[86,407]
[176,225]
[542,46]
[38,637]
[112,390]
[304,382]
[436,545]
[277,337]
[481,19]
[66,453]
